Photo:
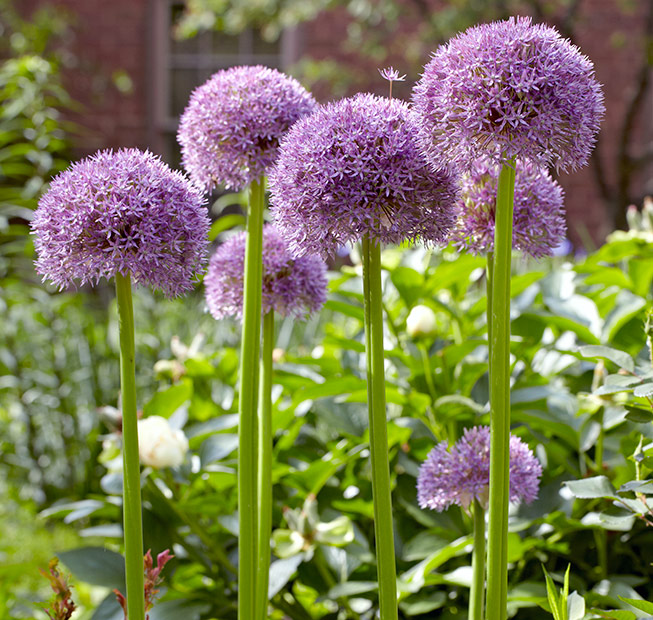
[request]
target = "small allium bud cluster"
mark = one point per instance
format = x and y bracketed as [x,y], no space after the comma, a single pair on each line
[159,445]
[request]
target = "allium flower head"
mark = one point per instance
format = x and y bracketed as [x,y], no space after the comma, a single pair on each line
[291,286]
[462,474]
[538,218]
[353,168]
[125,212]
[230,130]
[509,89]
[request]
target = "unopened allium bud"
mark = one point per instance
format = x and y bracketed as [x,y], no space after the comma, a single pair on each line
[421,321]
[160,445]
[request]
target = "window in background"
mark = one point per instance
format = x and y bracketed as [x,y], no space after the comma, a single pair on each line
[179,66]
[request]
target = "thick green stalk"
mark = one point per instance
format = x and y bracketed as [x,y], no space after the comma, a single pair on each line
[265,468]
[488,296]
[247,406]
[497,584]
[131,494]
[383,530]
[477,591]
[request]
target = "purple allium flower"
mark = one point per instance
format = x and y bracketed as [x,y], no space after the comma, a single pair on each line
[353,168]
[538,218]
[391,74]
[509,89]
[230,130]
[462,474]
[291,286]
[126,212]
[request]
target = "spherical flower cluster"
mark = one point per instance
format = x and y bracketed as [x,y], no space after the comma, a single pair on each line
[462,474]
[509,89]
[353,168]
[159,445]
[230,130]
[538,218]
[291,286]
[121,212]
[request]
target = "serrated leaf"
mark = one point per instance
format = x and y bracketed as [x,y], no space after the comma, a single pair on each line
[620,358]
[591,488]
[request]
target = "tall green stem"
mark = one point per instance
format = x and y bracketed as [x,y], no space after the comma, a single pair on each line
[265,468]
[497,585]
[131,494]
[488,296]
[477,591]
[247,406]
[383,530]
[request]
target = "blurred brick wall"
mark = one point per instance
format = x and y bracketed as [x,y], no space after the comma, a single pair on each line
[118,36]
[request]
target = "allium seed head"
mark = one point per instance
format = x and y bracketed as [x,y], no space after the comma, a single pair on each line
[293,287]
[509,89]
[462,474]
[230,130]
[353,168]
[538,217]
[126,212]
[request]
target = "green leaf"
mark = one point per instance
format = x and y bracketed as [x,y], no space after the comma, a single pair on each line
[644,391]
[217,447]
[627,306]
[96,565]
[552,596]
[109,609]
[352,588]
[167,401]
[409,283]
[620,358]
[281,571]
[179,608]
[639,415]
[639,604]
[226,222]
[343,307]
[590,488]
[615,614]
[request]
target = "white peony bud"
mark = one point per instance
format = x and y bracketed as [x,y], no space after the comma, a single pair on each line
[421,321]
[159,445]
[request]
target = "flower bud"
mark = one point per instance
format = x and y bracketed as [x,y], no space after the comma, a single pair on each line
[420,322]
[159,445]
